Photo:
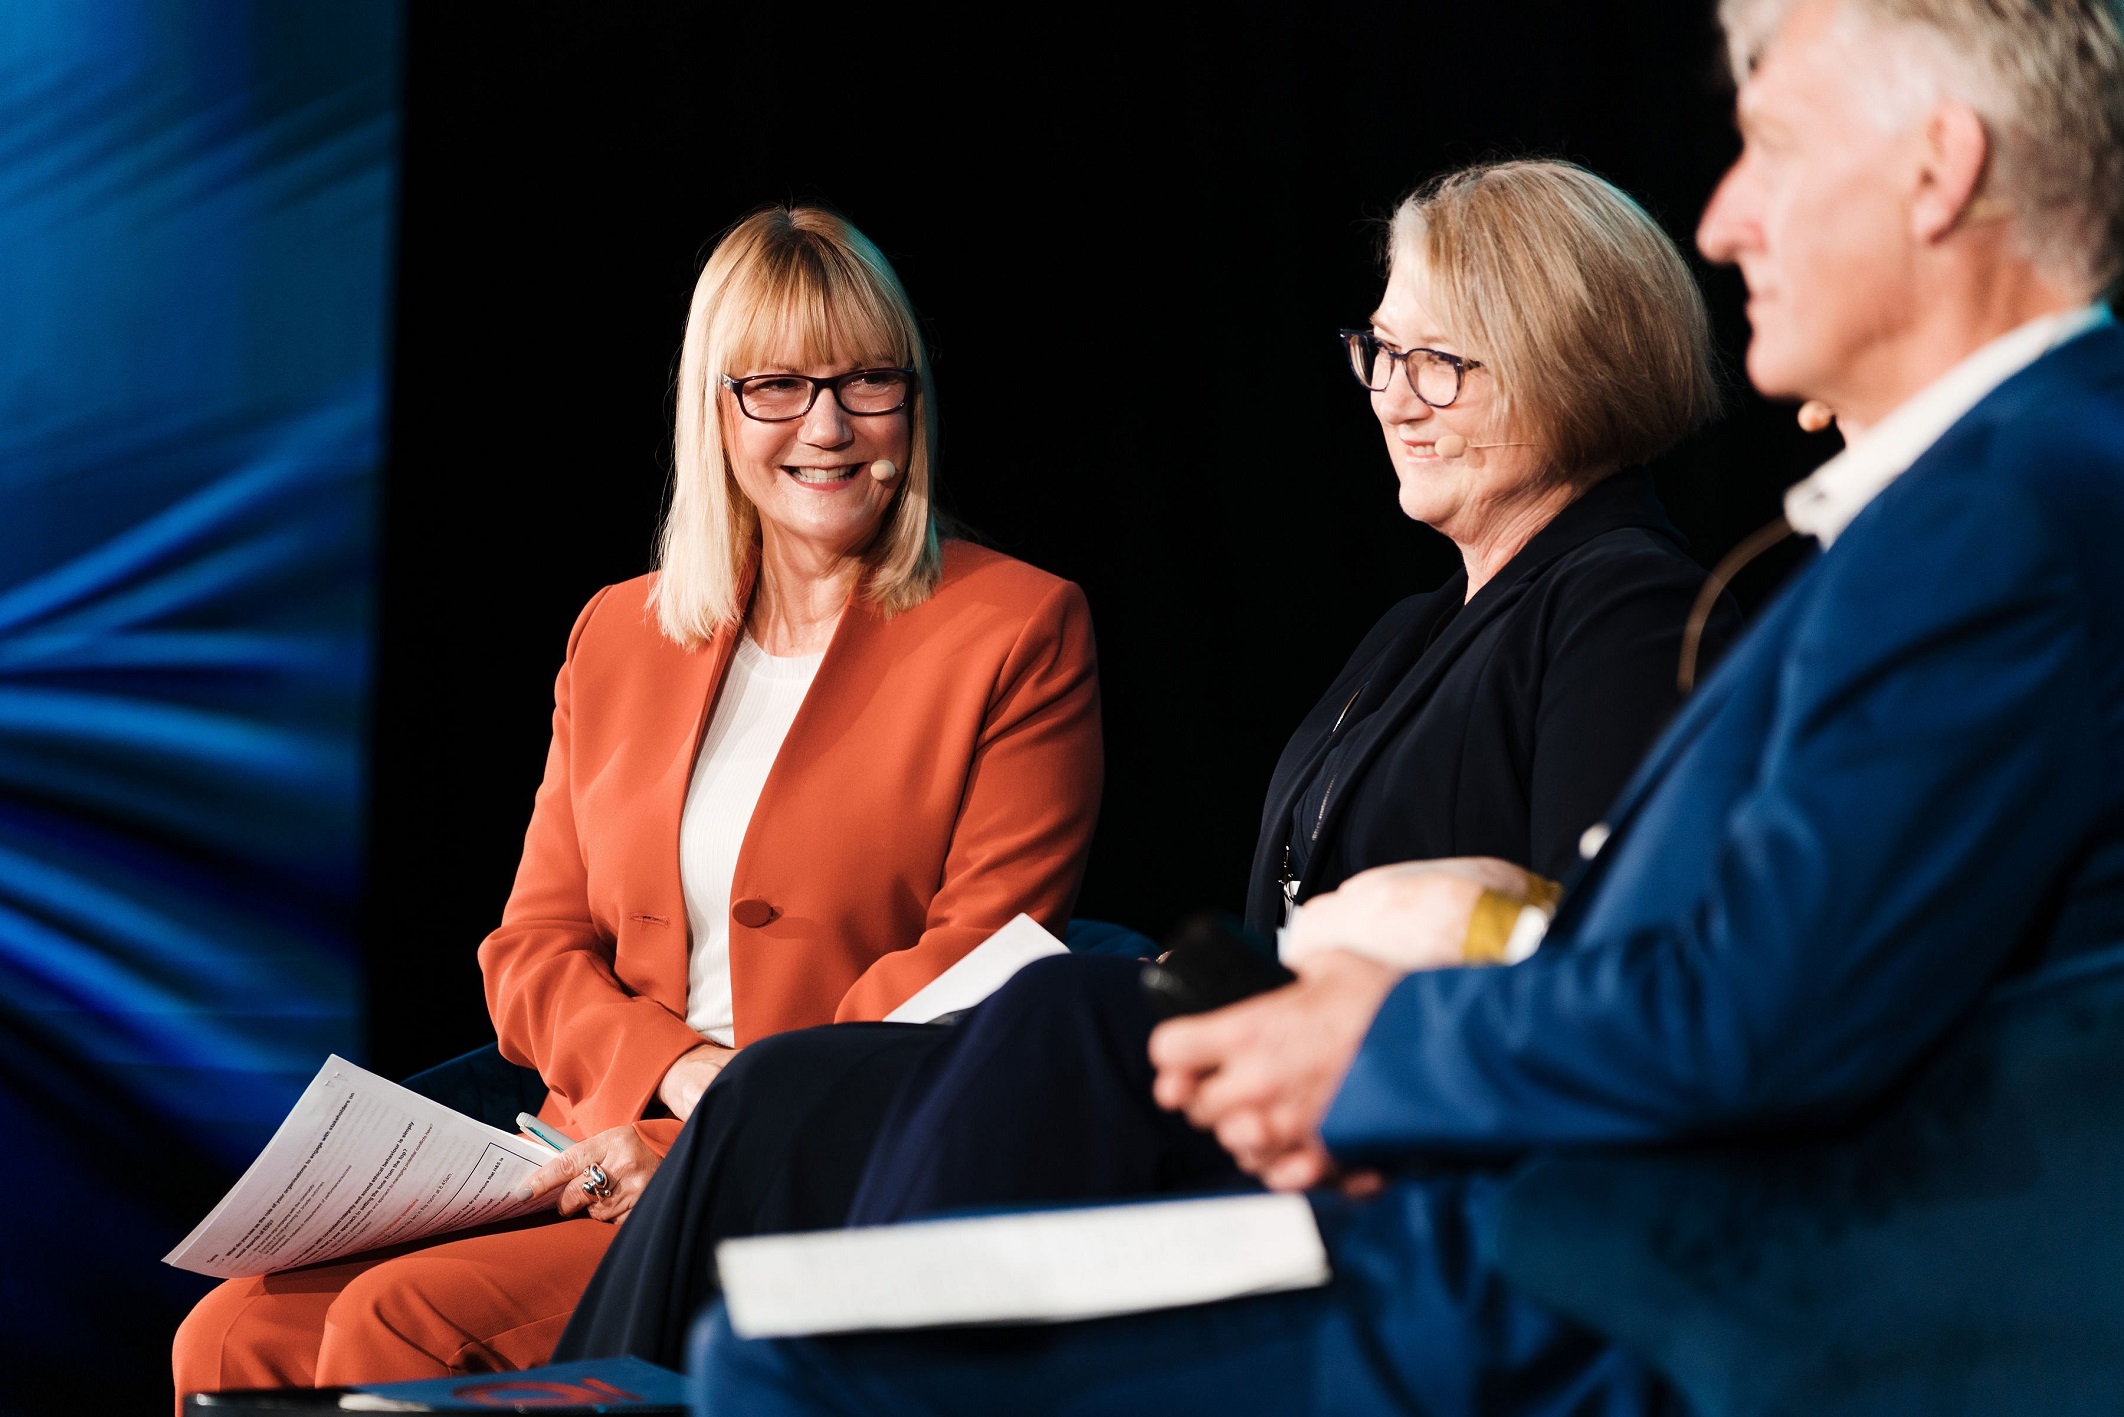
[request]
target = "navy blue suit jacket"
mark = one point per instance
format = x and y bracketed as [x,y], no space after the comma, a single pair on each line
[1906,781]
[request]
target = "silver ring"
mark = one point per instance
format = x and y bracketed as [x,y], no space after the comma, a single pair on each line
[596,1182]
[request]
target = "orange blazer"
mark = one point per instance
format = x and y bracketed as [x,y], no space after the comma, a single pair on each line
[942,775]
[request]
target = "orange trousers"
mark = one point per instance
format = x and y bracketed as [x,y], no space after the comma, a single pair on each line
[491,1301]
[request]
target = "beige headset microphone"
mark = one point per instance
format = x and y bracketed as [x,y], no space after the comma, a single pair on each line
[883,470]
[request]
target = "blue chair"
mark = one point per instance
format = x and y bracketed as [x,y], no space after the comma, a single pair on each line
[484,1084]
[1103,937]
[1959,1250]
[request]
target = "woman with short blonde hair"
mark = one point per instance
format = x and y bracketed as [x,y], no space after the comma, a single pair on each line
[796,774]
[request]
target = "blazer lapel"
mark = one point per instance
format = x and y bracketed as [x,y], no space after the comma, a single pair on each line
[695,682]
[1294,774]
[1620,501]
[1408,698]
[838,691]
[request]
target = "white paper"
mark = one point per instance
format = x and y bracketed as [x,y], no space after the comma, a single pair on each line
[981,972]
[360,1163]
[1034,1267]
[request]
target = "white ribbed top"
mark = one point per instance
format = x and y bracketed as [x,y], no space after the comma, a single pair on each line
[760,699]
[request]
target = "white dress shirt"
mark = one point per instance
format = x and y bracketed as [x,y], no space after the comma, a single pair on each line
[760,699]
[1824,504]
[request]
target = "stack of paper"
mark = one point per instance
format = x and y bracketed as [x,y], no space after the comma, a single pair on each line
[1033,1267]
[980,972]
[361,1163]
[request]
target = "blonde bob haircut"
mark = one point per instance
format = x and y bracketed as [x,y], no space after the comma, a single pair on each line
[799,284]
[1576,301]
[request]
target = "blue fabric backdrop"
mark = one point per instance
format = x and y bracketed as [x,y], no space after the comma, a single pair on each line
[195,234]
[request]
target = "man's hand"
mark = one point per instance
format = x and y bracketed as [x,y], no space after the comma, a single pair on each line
[1413,915]
[628,1163]
[1261,1073]
[688,1078]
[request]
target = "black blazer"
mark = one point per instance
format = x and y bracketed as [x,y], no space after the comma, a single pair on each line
[1503,727]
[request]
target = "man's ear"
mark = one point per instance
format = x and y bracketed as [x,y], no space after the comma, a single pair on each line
[1955,152]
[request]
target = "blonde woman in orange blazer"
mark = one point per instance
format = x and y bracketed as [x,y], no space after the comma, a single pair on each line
[691,882]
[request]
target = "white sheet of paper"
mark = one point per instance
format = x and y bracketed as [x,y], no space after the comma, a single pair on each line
[1034,1267]
[359,1163]
[981,972]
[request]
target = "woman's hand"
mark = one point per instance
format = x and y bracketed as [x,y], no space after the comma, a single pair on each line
[628,1164]
[1413,915]
[688,1078]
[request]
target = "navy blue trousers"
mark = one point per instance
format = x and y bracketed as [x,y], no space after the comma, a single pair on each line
[1040,1095]
[1043,1093]
[1415,1321]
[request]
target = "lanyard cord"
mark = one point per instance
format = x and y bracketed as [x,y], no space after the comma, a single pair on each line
[1286,880]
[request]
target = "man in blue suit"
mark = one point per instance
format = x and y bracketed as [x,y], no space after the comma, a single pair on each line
[1905,784]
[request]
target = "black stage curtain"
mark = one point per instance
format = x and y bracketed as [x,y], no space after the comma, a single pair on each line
[1133,234]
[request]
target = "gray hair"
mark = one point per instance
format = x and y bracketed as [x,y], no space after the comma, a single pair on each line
[2047,78]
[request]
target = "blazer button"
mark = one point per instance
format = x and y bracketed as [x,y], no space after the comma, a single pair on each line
[752,912]
[1592,840]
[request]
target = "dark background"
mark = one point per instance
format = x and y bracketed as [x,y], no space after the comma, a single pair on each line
[1168,217]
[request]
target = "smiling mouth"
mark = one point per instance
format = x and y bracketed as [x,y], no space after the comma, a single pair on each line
[822,476]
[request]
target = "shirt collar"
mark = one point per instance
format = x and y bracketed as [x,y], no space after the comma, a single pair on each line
[1824,504]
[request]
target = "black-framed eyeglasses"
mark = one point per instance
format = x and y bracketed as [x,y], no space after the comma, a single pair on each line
[784,398]
[1433,375]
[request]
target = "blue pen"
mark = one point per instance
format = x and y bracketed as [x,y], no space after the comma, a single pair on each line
[542,1133]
